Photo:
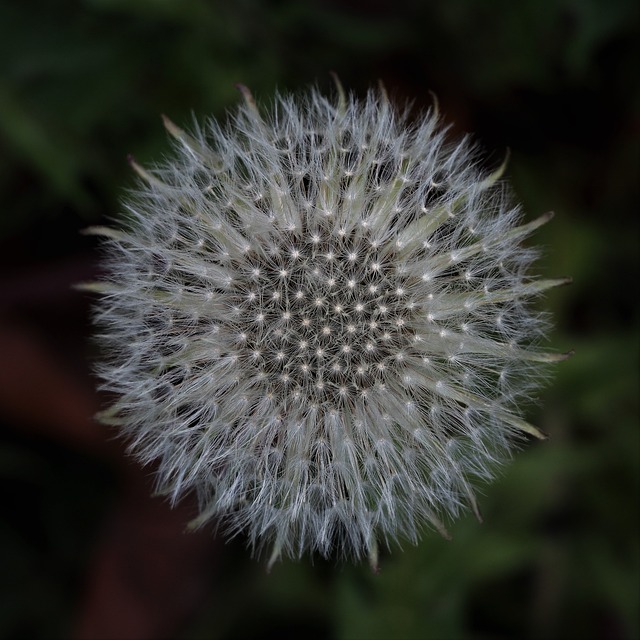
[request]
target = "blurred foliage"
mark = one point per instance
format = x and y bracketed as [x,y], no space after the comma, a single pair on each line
[83,82]
[48,533]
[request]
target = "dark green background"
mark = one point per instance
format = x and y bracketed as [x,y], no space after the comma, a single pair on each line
[83,83]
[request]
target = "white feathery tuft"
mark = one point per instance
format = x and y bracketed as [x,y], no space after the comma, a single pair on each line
[318,319]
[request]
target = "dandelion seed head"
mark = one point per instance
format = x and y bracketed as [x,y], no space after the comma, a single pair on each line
[319,321]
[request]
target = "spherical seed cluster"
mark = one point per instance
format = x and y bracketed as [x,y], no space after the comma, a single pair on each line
[317,319]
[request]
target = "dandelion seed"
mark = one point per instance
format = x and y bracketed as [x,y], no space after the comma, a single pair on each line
[368,300]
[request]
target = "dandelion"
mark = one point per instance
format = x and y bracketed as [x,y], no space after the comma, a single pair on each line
[318,320]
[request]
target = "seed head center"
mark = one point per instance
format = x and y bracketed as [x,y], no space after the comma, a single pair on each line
[327,326]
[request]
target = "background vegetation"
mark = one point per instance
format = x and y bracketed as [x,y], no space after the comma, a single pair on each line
[84,551]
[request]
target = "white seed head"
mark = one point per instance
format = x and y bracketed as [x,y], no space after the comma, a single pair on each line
[318,320]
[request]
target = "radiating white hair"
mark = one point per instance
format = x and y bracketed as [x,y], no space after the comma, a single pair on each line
[318,319]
